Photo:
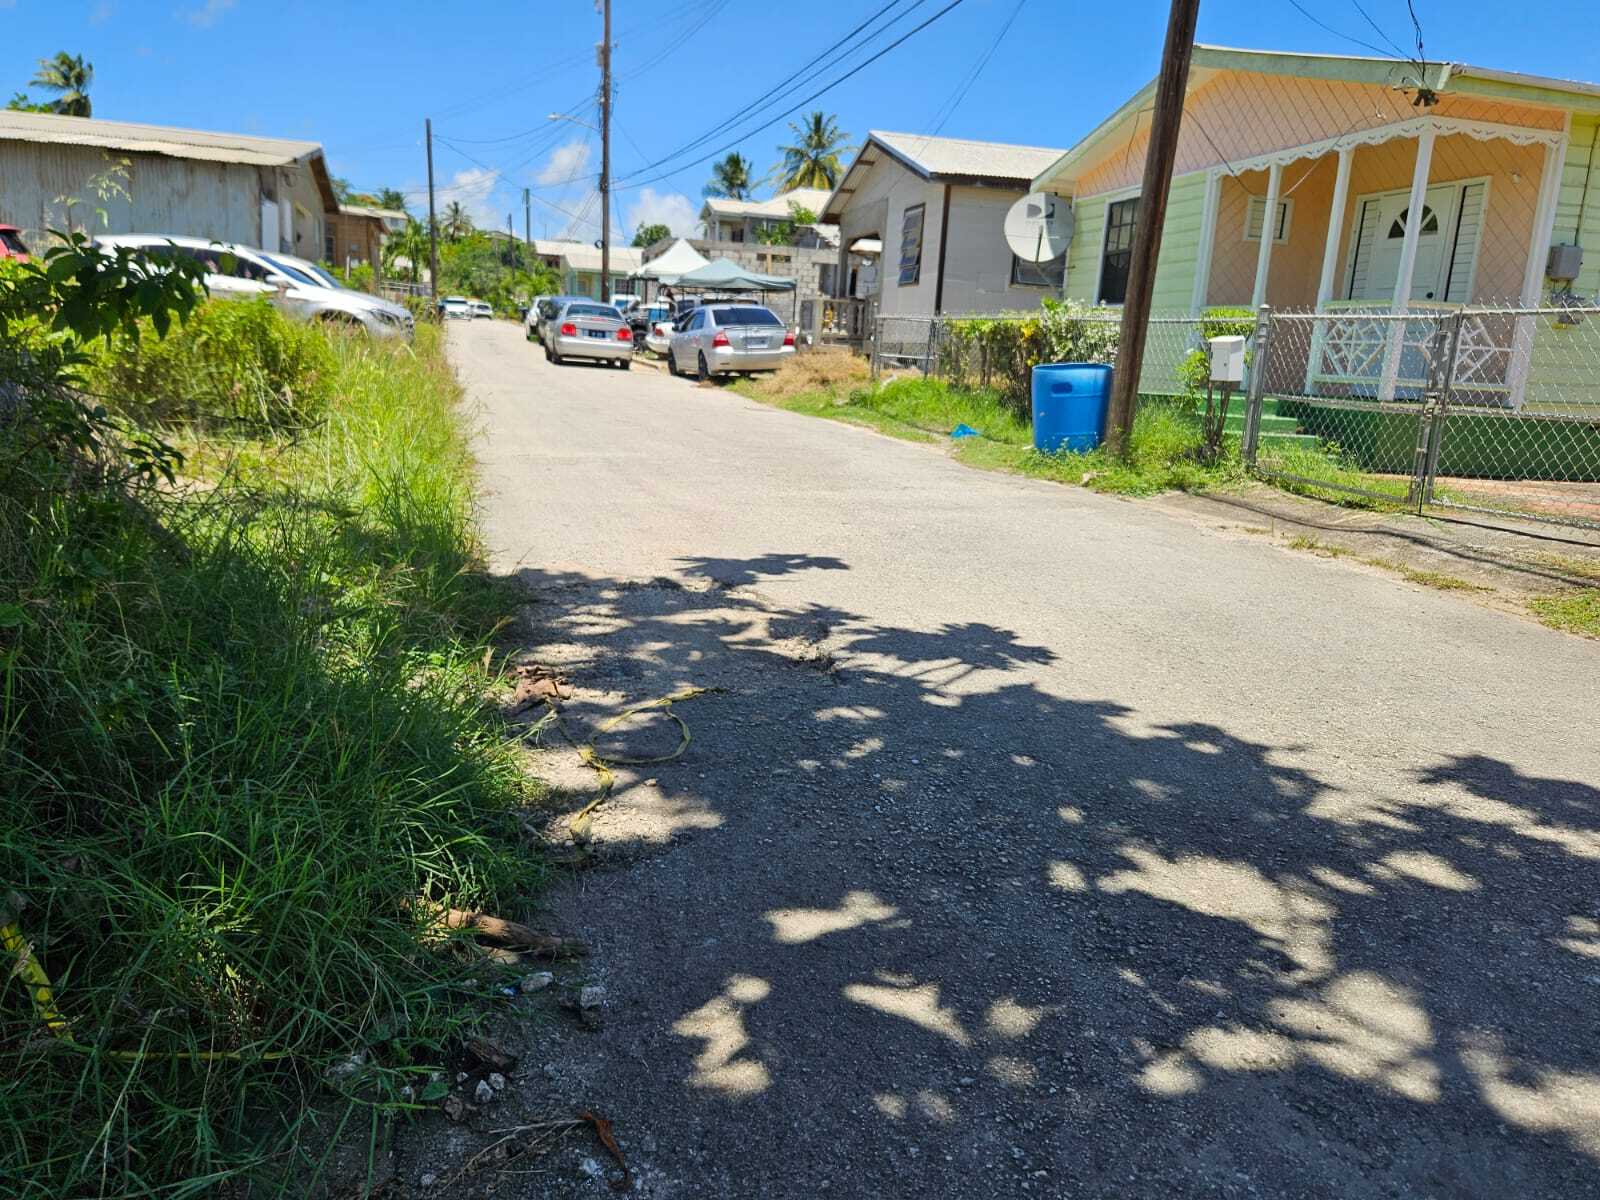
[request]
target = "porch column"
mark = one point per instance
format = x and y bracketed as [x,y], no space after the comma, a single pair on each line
[1269,223]
[1408,263]
[1330,261]
[1208,241]
[1544,219]
[285,215]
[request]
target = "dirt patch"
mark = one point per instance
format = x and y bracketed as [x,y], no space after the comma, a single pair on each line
[1501,564]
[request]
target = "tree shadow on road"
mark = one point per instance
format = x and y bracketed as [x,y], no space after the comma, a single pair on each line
[953,931]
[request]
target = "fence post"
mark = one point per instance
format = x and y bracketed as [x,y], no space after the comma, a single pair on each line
[1435,411]
[876,337]
[932,347]
[1258,386]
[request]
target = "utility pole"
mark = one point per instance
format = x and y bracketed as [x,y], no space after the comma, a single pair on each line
[527,227]
[605,157]
[1151,216]
[433,225]
[511,250]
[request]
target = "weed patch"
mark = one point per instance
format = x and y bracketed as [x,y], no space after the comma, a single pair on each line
[242,737]
[1575,612]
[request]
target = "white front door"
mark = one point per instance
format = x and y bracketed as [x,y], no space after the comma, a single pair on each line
[1380,227]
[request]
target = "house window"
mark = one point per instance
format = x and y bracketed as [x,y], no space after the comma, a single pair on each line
[1052,274]
[1118,255]
[911,245]
[827,278]
[1258,208]
[1430,222]
[736,234]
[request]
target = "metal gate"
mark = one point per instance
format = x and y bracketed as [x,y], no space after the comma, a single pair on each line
[1491,410]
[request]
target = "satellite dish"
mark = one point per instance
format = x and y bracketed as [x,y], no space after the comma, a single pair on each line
[1039,227]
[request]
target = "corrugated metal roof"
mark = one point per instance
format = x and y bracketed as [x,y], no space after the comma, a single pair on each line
[367,210]
[814,199]
[581,257]
[937,157]
[153,139]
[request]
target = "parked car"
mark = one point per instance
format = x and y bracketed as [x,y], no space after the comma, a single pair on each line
[317,273]
[481,309]
[622,301]
[588,329]
[658,338]
[718,339]
[641,317]
[456,308]
[540,311]
[11,243]
[241,272]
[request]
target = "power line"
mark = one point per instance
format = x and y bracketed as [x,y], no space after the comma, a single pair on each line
[1321,24]
[772,92]
[950,106]
[856,70]
[1376,29]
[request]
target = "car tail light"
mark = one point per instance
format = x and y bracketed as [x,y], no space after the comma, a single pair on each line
[721,339]
[788,339]
[624,334]
[569,330]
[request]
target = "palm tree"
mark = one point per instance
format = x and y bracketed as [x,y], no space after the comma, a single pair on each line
[411,244]
[456,224]
[813,160]
[730,178]
[69,75]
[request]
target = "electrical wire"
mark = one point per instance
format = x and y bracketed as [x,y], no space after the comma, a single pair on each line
[1321,24]
[948,109]
[856,70]
[778,89]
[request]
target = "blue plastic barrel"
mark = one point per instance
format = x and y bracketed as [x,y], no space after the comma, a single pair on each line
[1069,405]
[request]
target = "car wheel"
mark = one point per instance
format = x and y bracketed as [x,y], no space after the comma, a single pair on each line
[703,372]
[555,356]
[672,363]
[625,363]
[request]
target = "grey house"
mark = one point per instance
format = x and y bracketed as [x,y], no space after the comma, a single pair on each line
[56,172]
[935,208]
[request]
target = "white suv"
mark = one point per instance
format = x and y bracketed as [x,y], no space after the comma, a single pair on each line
[238,272]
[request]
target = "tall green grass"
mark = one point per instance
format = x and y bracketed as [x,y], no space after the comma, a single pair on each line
[241,736]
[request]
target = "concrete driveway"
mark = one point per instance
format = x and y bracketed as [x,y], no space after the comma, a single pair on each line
[1037,843]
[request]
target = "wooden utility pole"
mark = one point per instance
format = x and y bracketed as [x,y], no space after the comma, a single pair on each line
[527,227]
[433,225]
[1151,216]
[605,156]
[511,250]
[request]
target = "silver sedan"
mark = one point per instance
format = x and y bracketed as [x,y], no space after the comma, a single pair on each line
[587,329]
[719,339]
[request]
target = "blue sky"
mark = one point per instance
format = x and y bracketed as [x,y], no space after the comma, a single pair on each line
[360,77]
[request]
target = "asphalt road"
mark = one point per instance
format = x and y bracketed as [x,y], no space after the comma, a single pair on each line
[1038,843]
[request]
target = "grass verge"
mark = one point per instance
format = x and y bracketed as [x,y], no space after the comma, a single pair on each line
[242,736]
[1575,612]
[1165,443]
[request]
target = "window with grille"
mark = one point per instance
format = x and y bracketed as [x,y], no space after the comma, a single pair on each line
[1118,257]
[1050,274]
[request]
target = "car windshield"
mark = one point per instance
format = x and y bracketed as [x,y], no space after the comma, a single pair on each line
[590,310]
[753,315]
[297,274]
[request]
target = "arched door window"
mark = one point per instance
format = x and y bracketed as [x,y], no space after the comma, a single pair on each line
[1430,222]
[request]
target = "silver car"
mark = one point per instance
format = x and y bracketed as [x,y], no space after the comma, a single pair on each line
[588,329]
[719,339]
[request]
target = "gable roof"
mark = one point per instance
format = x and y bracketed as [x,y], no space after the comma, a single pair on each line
[775,207]
[1208,60]
[580,256]
[943,160]
[54,129]
[370,210]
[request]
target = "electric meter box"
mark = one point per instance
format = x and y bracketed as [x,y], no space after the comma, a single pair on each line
[1565,262]
[1227,360]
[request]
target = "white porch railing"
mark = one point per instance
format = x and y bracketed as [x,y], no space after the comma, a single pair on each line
[1354,341]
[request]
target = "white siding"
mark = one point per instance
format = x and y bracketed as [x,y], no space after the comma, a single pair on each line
[1468,227]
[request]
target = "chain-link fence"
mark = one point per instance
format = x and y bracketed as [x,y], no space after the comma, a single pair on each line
[1490,409]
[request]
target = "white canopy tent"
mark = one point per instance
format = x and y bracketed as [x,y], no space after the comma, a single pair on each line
[679,259]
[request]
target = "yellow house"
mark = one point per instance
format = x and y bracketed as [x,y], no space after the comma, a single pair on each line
[1355,188]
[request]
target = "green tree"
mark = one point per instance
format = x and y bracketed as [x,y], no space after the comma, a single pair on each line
[456,224]
[69,75]
[786,232]
[392,198]
[730,178]
[411,244]
[649,235]
[813,160]
[22,102]
[341,189]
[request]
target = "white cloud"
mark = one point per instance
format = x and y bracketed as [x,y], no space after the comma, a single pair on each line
[472,188]
[209,13]
[672,209]
[101,13]
[565,163]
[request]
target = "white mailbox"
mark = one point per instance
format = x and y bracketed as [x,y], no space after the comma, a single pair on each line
[1227,360]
